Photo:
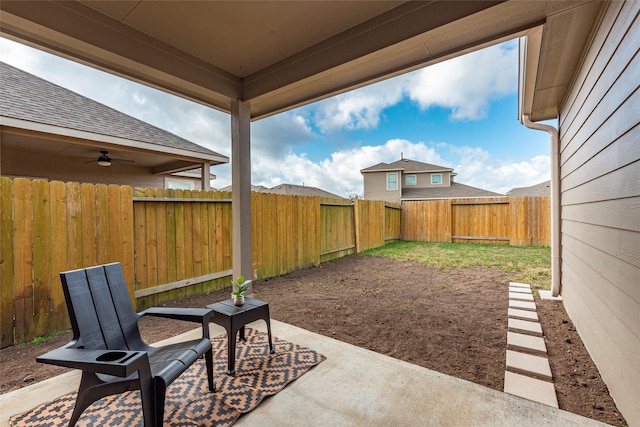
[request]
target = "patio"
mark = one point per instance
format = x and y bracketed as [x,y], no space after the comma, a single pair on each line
[353,387]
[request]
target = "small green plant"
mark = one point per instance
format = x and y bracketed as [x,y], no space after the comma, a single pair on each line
[239,286]
[46,337]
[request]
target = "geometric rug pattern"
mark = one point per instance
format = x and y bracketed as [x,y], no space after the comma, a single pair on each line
[188,402]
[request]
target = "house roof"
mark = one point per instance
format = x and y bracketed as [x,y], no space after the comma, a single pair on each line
[455,190]
[300,190]
[277,55]
[28,98]
[542,189]
[407,166]
[291,189]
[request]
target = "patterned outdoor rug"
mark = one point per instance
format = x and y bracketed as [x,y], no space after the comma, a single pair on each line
[189,403]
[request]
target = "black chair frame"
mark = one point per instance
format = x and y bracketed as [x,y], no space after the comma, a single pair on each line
[108,349]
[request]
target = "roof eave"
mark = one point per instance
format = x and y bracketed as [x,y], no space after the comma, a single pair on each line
[123,143]
[528,60]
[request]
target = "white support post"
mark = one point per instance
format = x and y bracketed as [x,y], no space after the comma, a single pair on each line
[206,176]
[241,189]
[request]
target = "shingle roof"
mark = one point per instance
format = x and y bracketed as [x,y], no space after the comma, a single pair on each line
[542,189]
[291,189]
[406,165]
[453,191]
[300,190]
[27,97]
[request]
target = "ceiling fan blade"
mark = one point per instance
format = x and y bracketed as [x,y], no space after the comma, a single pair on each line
[108,160]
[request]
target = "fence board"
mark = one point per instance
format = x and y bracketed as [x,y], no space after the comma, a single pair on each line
[88,224]
[23,258]
[102,234]
[113,208]
[161,237]
[189,242]
[42,261]
[7,246]
[59,257]
[127,258]
[171,249]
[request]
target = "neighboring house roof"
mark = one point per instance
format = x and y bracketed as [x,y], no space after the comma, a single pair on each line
[407,166]
[256,188]
[291,189]
[24,96]
[542,189]
[455,190]
[300,190]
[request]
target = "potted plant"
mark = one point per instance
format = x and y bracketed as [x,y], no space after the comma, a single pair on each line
[240,286]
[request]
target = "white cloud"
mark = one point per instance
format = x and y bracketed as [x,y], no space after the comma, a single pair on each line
[501,176]
[466,85]
[358,109]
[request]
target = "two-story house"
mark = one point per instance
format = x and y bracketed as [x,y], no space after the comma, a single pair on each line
[407,179]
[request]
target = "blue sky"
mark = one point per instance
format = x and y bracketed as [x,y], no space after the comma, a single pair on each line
[461,113]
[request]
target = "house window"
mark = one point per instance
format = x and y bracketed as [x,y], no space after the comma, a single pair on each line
[410,180]
[436,178]
[179,184]
[392,181]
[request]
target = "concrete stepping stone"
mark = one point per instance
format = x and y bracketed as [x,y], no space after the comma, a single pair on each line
[519,285]
[520,296]
[526,342]
[520,290]
[523,314]
[530,388]
[524,326]
[528,364]
[522,305]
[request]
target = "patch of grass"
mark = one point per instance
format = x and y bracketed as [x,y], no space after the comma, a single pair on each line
[46,337]
[527,264]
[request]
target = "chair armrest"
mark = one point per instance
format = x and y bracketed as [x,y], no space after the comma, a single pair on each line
[119,363]
[199,315]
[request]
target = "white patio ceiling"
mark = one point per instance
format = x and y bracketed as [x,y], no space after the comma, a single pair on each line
[277,55]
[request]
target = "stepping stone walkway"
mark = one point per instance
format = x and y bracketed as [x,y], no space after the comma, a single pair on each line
[528,373]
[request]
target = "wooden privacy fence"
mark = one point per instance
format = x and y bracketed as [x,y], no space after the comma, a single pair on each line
[174,243]
[518,221]
[171,243]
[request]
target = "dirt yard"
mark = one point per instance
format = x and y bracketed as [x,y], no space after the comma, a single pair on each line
[453,321]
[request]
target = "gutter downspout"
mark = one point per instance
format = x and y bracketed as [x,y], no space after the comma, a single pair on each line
[555,201]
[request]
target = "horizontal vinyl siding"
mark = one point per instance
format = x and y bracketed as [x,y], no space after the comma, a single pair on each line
[424,180]
[375,187]
[600,197]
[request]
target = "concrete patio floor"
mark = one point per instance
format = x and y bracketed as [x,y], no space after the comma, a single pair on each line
[353,387]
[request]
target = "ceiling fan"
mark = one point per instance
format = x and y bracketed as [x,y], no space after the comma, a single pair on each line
[105,160]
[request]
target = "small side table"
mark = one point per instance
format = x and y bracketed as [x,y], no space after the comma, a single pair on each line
[234,317]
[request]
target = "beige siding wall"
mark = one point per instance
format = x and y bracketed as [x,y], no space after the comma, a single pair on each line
[600,196]
[423,180]
[375,187]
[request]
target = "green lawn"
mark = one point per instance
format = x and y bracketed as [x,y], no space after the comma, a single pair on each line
[525,264]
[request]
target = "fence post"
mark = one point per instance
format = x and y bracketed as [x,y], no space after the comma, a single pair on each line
[356,224]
